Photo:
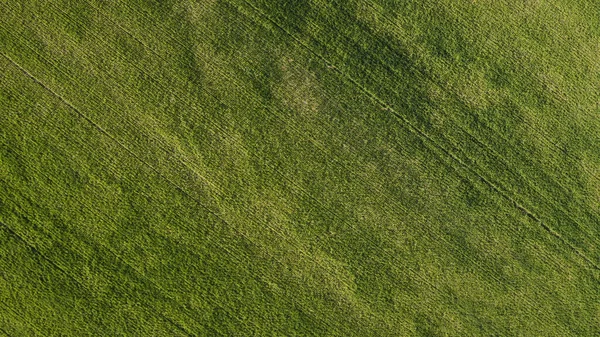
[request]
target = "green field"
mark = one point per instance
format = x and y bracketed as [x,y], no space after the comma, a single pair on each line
[299,168]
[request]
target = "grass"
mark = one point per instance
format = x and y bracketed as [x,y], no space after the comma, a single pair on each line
[299,168]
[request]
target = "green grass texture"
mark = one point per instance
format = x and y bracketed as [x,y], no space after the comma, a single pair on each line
[299,168]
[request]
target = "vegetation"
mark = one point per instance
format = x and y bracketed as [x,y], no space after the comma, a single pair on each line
[299,168]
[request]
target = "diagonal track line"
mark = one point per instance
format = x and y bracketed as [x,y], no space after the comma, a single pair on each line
[479,142]
[434,143]
[543,137]
[156,285]
[96,125]
[131,153]
[220,219]
[180,189]
[32,77]
[129,33]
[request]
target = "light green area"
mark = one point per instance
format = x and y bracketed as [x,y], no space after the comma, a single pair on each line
[299,168]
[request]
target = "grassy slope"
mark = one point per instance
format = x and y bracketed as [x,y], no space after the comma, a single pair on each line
[299,168]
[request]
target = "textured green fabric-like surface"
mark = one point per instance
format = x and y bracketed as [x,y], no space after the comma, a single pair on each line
[299,168]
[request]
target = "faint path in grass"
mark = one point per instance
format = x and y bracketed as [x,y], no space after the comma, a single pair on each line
[31,76]
[96,125]
[439,147]
[543,136]
[295,185]
[102,130]
[156,171]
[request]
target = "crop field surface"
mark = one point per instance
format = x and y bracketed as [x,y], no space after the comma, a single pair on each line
[299,168]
